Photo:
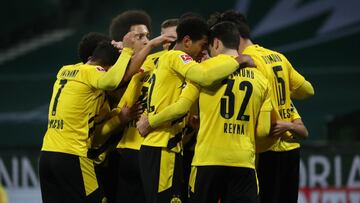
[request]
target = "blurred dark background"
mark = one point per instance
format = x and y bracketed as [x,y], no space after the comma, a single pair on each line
[320,39]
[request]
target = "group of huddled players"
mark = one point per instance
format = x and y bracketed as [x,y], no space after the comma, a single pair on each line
[207,119]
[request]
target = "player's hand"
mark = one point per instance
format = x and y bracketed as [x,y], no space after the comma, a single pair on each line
[130,38]
[143,126]
[128,114]
[162,39]
[279,128]
[245,61]
[119,45]
[194,121]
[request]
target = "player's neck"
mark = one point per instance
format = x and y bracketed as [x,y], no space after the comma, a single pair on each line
[244,43]
[230,52]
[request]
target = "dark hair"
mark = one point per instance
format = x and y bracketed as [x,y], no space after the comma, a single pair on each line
[105,54]
[236,17]
[227,33]
[121,24]
[193,27]
[170,23]
[188,15]
[88,44]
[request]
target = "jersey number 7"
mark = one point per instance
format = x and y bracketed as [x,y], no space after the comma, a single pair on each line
[62,84]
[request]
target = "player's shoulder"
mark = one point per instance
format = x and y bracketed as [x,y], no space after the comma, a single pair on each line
[176,55]
[156,54]
[259,77]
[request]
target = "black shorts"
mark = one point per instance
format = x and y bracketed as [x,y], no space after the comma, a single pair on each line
[209,184]
[161,174]
[106,173]
[130,187]
[278,174]
[67,178]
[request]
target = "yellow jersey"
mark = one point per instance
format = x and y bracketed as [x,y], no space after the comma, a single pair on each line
[167,82]
[75,102]
[137,91]
[228,118]
[283,79]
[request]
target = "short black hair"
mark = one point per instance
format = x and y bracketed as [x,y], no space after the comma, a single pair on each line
[227,33]
[236,17]
[188,15]
[170,23]
[88,44]
[105,54]
[121,24]
[194,27]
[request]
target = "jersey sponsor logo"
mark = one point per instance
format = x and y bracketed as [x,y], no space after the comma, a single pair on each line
[186,58]
[100,69]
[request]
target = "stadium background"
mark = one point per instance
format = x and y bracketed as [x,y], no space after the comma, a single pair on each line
[320,37]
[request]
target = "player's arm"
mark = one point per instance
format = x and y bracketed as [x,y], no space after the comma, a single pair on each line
[139,57]
[171,112]
[110,130]
[305,91]
[211,70]
[293,130]
[263,126]
[264,120]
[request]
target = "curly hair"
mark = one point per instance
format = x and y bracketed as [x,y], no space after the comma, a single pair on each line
[121,24]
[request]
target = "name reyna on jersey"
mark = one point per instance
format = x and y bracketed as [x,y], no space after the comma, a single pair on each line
[234,128]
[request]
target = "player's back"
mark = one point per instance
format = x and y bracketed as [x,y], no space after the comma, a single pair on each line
[281,75]
[72,110]
[228,117]
[138,89]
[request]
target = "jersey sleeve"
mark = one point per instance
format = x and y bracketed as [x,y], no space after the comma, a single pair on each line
[267,105]
[181,62]
[98,78]
[296,79]
[174,111]
[132,91]
[212,70]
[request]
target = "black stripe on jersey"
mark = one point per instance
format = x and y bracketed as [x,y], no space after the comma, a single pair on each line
[91,119]
[173,141]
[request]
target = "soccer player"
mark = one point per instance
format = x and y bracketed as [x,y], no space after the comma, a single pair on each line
[130,187]
[160,157]
[66,174]
[224,160]
[278,169]
[169,27]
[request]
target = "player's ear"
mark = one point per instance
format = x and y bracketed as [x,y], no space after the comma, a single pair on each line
[187,41]
[216,43]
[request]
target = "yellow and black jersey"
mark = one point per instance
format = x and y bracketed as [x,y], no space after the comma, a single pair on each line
[283,79]
[74,104]
[137,90]
[228,117]
[167,82]
[151,60]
